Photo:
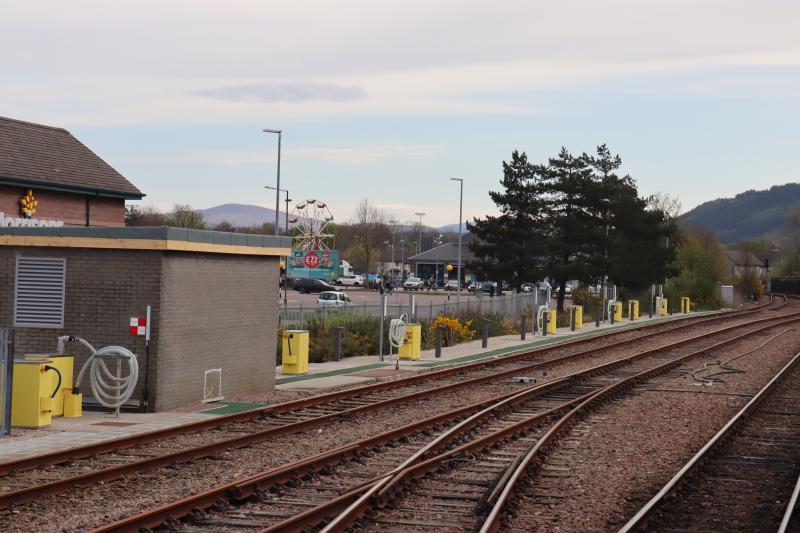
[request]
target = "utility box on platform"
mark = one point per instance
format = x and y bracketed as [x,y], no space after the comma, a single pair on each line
[633,309]
[64,364]
[411,347]
[294,355]
[32,394]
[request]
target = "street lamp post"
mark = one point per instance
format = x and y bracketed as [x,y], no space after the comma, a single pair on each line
[286,261]
[460,211]
[278,184]
[420,214]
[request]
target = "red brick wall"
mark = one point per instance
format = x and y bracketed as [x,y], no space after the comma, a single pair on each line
[71,208]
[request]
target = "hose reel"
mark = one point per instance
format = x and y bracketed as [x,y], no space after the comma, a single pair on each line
[109,390]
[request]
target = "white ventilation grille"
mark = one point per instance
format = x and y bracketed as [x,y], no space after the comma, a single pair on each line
[39,297]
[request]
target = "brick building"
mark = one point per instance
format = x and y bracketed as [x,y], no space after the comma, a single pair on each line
[213,297]
[68,181]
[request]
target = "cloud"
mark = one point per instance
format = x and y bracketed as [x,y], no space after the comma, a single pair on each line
[284,92]
[342,155]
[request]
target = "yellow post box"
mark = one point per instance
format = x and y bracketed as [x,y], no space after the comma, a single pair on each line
[685,304]
[663,310]
[551,321]
[410,349]
[633,309]
[578,316]
[617,311]
[64,363]
[31,395]
[294,356]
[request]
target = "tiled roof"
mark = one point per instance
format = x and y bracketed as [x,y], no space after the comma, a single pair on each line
[33,154]
[743,258]
[445,253]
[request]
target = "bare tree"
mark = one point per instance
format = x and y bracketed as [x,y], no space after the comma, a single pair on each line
[184,216]
[371,229]
[669,205]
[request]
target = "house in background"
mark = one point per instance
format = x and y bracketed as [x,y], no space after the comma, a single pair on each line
[741,262]
[68,182]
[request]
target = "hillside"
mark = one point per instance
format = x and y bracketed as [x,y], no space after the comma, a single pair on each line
[749,215]
[241,215]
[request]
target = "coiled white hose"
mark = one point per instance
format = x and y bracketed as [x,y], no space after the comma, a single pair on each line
[119,390]
[397,331]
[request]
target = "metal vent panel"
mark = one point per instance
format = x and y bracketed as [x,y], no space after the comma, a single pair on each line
[39,296]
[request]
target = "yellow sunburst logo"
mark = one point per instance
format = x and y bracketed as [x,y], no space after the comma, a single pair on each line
[28,204]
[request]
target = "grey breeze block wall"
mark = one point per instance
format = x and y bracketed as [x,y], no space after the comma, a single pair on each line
[216,311]
[208,311]
[103,290]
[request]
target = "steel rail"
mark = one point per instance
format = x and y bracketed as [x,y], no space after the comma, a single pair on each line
[639,520]
[389,488]
[789,514]
[71,454]
[492,522]
[243,488]
[33,492]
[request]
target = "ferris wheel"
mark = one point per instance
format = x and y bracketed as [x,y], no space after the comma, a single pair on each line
[313,226]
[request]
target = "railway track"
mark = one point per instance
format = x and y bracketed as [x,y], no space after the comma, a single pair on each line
[746,478]
[380,471]
[31,478]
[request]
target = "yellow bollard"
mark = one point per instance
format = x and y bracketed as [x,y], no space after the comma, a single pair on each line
[663,310]
[686,304]
[294,356]
[633,309]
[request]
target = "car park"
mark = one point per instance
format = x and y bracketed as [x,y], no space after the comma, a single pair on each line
[333,299]
[351,280]
[307,285]
[413,284]
[451,285]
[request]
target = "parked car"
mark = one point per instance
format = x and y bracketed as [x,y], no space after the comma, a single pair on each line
[488,286]
[351,280]
[313,285]
[333,299]
[413,284]
[451,285]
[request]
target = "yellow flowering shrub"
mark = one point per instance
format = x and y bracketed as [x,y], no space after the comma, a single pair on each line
[455,330]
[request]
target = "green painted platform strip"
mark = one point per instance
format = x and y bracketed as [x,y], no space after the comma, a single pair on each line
[229,408]
[337,372]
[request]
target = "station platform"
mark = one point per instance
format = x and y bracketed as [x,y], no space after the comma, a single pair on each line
[363,369]
[95,426]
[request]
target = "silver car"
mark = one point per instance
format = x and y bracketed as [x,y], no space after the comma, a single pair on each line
[333,299]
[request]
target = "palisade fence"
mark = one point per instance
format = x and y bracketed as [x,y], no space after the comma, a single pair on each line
[509,306]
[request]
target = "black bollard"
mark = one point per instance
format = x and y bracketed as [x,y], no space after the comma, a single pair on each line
[439,332]
[572,318]
[485,333]
[545,318]
[337,343]
[523,326]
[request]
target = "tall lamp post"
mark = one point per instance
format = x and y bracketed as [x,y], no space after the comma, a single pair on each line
[460,211]
[278,184]
[286,261]
[420,214]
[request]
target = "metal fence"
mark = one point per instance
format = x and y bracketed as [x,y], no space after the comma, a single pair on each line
[507,306]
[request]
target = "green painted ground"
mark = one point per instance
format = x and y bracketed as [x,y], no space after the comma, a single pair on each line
[229,408]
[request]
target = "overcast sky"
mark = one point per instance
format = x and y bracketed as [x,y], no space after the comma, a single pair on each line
[387,100]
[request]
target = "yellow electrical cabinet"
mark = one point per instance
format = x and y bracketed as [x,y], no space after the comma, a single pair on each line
[31,395]
[663,310]
[578,316]
[686,304]
[617,311]
[64,363]
[410,349]
[633,309]
[294,355]
[551,321]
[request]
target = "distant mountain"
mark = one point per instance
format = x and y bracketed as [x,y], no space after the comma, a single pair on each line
[749,215]
[241,215]
[453,228]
